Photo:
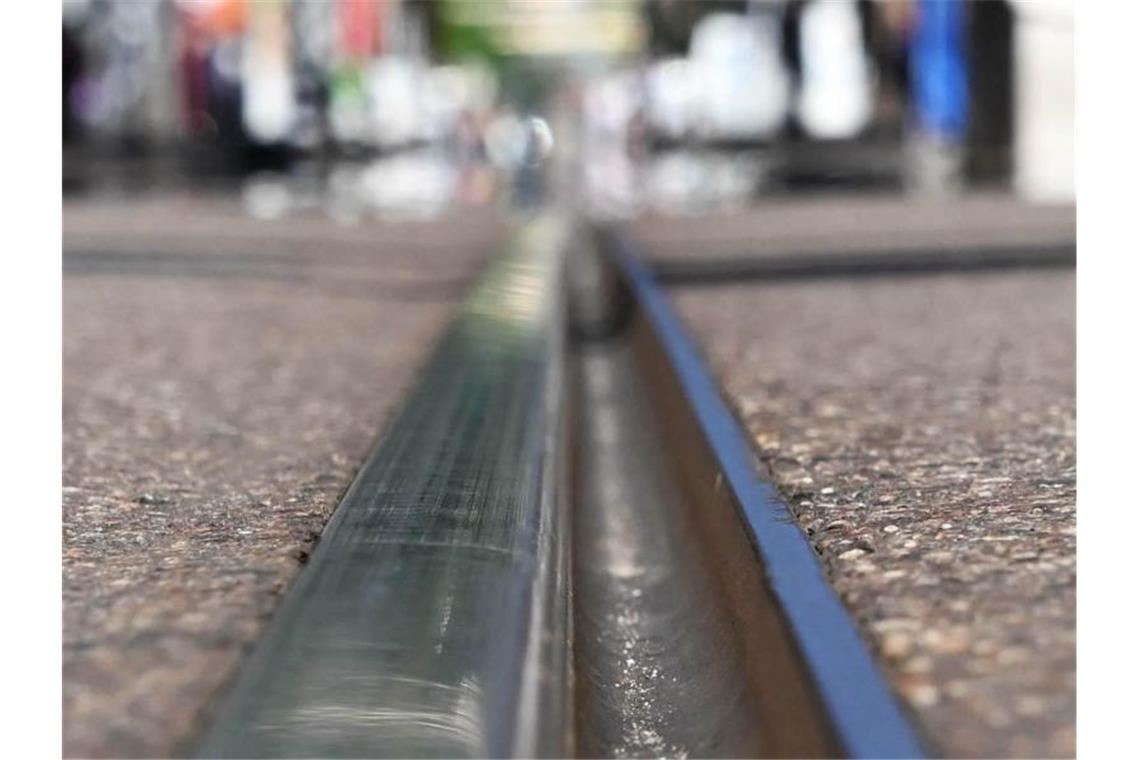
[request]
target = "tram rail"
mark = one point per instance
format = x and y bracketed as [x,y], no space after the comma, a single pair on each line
[562,545]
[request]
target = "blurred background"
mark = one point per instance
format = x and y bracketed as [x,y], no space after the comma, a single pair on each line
[407,108]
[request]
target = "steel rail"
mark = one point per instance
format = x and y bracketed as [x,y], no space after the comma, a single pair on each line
[436,618]
[432,613]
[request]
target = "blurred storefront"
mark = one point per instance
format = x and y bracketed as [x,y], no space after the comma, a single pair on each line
[677,104]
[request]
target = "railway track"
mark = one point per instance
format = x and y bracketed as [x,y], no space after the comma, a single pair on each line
[561,546]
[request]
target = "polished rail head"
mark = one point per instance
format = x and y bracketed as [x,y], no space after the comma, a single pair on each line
[409,632]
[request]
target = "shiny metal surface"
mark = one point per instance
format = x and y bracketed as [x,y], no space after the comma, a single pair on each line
[434,608]
[448,610]
[679,649]
[660,671]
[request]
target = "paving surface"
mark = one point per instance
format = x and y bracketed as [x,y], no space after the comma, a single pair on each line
[923,429]
[223,378]
[842,225]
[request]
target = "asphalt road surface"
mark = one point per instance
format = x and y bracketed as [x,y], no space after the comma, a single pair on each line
[224,377]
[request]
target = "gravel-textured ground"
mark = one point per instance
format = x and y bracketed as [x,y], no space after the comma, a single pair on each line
[924,431]
[213,413]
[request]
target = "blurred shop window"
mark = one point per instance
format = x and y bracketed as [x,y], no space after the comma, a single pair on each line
[1045,100]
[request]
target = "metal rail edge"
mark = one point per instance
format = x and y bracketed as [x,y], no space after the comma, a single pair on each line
[795,630]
